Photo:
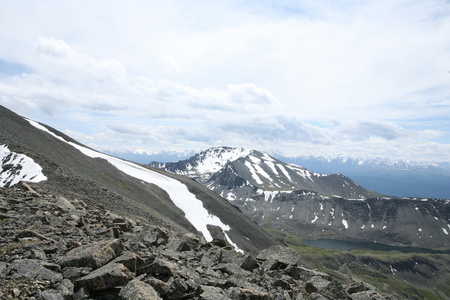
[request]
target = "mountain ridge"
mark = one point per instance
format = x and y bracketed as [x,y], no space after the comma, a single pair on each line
[70,170]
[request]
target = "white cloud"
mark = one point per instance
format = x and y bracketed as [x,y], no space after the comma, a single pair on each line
[293,75]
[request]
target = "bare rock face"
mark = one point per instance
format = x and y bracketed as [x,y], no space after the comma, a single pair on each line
[72,254]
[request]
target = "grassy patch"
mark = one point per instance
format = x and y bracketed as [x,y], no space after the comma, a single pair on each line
[122,186]
[375,268]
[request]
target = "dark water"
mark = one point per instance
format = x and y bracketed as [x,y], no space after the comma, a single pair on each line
[346,246]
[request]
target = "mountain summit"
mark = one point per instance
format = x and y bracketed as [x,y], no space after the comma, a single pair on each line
[228,170]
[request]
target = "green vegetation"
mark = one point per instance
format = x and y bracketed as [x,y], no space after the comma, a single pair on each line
[404,275]
[7,250]
[122,186]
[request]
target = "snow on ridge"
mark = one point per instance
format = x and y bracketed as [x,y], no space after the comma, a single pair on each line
[261,171]
[23,168]
[285,172]
[253,172]
[213,161]
[178,192]
[271,165]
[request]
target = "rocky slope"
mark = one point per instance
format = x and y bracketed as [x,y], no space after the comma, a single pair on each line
[291,198]
[52,247]
[74,170]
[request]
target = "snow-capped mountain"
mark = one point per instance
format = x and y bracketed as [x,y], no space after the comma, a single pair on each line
[33,152]
[228,170]
[294,199]
[401,178]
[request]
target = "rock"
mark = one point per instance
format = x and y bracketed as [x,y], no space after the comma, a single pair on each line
[82,293]
[366,295]
[160,286]
[242,294]
[130,260]
[301,273]
[211,293]
[249,263]
[64,204]
[154,236]
[316,284]
[106,277]
[136,289]
[187,242]
[356,287]
[218,236]
[38,254]
[230,269]
[270,264]
[93,255]
[51,295]
[31,268]
[73,273]
[158,267]
[283,254]
[178,289]
[66,289]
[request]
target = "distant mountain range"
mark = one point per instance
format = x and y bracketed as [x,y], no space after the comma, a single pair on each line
[291,198]
[401,178]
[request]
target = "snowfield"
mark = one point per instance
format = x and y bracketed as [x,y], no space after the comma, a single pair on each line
[178,192]
[23,168]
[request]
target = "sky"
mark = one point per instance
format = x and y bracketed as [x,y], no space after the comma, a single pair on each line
[361,78]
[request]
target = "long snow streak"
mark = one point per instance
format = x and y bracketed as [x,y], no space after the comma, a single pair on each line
[178,192]
[18,167]
[253,172]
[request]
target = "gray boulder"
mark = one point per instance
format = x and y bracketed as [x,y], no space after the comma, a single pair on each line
[31,268]
[136,289]
[106,277]
[93,255]
[284,255]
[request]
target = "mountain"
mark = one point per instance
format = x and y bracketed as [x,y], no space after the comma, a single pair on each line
[69,169]
[401,178]
[293,199]
[231,172]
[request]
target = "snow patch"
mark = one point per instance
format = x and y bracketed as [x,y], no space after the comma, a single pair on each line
[17,167]
[253,172]
[315,218]
[345,223]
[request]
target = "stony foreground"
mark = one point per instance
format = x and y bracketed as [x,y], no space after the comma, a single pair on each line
[57,248]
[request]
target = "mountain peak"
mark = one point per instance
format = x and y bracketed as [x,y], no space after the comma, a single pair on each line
[260,171]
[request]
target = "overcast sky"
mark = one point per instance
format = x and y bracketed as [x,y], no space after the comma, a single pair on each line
[363,78]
